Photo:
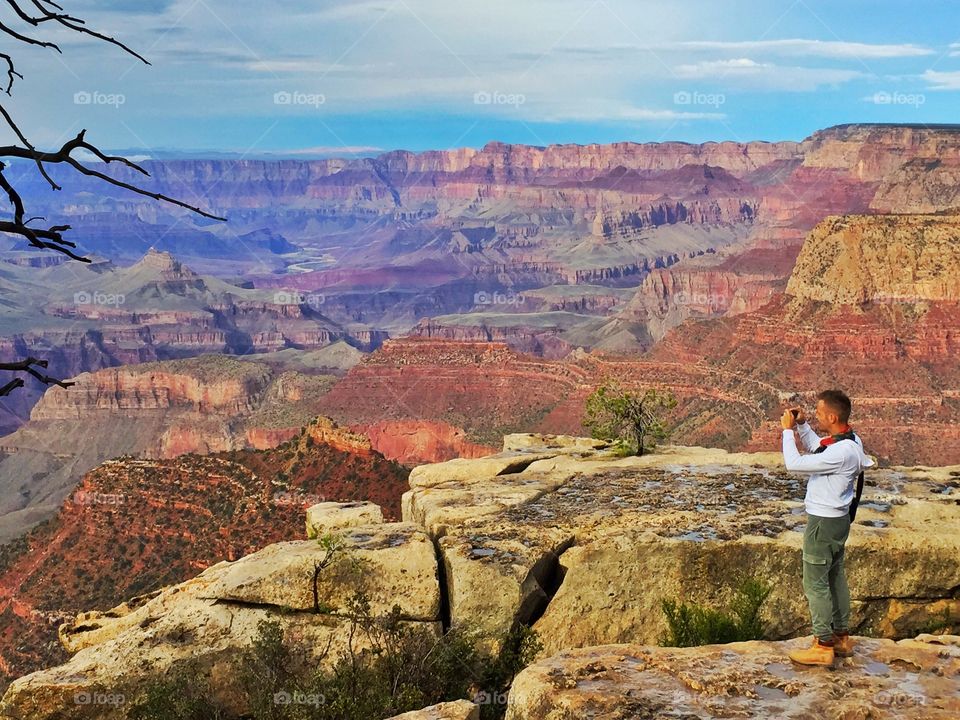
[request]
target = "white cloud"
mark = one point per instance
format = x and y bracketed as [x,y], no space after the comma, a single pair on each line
[571,60]
[750,74]
[947,80]
[628,113]
[814,48]
[331,150]
[712,68]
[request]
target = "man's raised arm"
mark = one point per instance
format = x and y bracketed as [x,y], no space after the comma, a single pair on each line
[809,439]
[828,461]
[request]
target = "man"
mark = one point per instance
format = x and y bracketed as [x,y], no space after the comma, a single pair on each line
[833,465]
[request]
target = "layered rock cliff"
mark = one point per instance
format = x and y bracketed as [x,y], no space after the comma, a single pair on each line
[163,409]
[845,318]
[134,525]
[900,259]
[566,537]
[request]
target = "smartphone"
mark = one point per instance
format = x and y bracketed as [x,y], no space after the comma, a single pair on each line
[794,412]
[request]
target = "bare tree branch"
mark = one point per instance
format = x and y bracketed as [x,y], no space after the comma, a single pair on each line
[40,14]
[11,72]
[29,365]
[63,156]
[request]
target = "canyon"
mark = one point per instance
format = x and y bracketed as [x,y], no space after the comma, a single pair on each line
[610,246]
[453,310]
[132,525]
[392,239]
[565,536]
[883,327]
[81,318]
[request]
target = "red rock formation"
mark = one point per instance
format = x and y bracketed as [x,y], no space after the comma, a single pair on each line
[543,341]
[481,387]
[895,354]
[667,297]
[200,405]
[133,525]
[417,442]
[153,386]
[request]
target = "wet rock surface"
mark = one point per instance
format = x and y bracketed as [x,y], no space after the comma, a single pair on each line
[884,679]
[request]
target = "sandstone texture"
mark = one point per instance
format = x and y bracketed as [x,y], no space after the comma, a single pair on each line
[884,679]
[583,545]
[457,710]
[215,616]
[562,534]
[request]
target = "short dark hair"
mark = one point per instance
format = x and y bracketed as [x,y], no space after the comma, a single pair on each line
[838,402]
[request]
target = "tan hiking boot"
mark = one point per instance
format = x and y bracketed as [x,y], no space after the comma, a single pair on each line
[842,645]
[816,654]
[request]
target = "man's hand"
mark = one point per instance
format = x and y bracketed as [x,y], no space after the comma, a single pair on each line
[787,420]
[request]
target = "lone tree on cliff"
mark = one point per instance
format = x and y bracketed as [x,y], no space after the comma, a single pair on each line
[630,418]
[34,15]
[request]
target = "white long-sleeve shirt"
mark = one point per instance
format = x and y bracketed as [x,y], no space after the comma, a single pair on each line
[833,472]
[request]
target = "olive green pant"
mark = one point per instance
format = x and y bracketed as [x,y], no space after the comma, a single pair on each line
[824,579]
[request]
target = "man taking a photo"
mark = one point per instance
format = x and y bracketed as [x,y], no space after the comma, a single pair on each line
[833,465]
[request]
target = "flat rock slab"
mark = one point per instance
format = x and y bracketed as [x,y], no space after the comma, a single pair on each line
[456,710]
[884,679]
[585,544]
[395,562]
[328,517]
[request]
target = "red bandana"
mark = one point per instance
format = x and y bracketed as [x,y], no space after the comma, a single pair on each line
[831,439]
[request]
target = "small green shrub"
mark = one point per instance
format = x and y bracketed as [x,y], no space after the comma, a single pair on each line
[691,625]
[182,694]
[937,625]
[398,667]
[631,419]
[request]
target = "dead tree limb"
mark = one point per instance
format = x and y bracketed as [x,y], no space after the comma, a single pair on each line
[35,16]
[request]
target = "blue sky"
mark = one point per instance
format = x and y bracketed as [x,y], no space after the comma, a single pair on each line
[307,78]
